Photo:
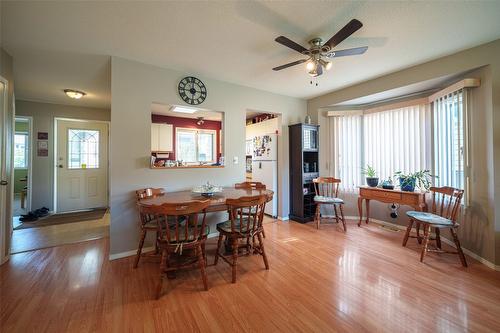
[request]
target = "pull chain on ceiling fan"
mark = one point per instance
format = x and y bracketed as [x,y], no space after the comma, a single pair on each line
[318,52]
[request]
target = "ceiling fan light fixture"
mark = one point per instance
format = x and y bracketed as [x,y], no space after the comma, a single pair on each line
[328,65]
[311,65]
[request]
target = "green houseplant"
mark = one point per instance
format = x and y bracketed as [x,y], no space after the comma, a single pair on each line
[371,176]
[408,182]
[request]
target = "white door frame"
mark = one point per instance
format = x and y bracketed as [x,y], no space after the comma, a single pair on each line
[6,219]
[30,159]
[55,162]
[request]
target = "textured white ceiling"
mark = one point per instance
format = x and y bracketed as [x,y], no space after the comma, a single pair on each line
[59,45]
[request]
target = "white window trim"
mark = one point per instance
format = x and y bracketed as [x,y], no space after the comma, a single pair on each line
[196,131]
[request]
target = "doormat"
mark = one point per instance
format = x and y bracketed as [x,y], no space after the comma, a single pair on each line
[64,218]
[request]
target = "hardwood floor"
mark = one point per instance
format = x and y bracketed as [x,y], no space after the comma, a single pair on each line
[360,281]
[55,235]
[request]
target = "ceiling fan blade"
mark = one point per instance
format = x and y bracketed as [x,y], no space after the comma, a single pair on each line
[290,43]
[348,52]
[289,65]
[350,28]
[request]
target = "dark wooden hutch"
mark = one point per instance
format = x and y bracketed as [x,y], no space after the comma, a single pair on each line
[304,167]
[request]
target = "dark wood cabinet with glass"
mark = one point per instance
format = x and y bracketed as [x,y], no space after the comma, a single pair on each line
[304,167]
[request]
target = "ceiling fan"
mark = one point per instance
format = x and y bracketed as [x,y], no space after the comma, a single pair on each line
[319,51]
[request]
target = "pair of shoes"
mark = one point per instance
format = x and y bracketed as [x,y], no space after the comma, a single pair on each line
[30,217]
[34,215]
[41,212]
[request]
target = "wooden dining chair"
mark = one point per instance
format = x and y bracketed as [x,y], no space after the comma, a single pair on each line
[445,207]
[326,194]
[245,222]
[253,186]
[146,222]
[181,235]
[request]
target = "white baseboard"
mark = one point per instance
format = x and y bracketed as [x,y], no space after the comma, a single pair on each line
[283,218]
[471,254]
[129,253]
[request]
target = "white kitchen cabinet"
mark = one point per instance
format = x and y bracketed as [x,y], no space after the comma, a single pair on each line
[162,137]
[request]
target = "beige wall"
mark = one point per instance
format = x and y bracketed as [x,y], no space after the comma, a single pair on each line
[481,222]
[43,121]
[134,87]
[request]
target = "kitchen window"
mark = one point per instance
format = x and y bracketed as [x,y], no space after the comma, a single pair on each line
[196,146]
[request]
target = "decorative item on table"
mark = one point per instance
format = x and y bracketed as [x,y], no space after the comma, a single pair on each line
[371,176]
[207,190]
[421,179]
[388,184]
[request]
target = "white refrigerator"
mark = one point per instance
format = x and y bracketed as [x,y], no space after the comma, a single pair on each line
[265,167]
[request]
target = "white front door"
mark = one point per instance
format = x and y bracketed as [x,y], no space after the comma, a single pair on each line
[81,165]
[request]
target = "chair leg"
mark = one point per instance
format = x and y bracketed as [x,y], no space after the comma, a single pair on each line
[219,244]
[263,233]
[342,217]
[263,252]
[157,248]
[139,248]
[336,213]
[234,243]
[407,234]
[318,215]
[438,238]
[201,263]
[163,266]
[204,253]
[417,228]
[459,248]
[426,241]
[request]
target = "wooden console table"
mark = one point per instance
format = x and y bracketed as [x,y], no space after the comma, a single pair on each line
[414,199]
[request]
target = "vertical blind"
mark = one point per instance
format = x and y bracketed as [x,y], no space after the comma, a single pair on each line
[389,141]
[347,150]
[398,140]
[449,143]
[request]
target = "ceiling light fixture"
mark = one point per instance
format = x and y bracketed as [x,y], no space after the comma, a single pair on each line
[76,94]
[182,109]
[311,65]
[200,121]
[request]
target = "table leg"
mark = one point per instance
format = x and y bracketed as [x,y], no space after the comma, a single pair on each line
[367,210]
[417,228]
[360,210]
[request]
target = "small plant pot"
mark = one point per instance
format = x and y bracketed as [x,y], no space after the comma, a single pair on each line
[372,181]
[407,185]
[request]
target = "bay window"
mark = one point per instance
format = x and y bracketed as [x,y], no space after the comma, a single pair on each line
[425,134]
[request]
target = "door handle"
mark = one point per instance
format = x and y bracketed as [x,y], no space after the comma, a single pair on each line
[4,182]
[60,166]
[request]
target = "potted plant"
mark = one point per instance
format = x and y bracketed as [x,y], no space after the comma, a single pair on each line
[371,176]
[420,179]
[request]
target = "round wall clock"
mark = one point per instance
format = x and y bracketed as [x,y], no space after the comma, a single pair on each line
[192,90]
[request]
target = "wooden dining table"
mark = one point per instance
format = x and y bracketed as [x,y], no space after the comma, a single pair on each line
[217,201]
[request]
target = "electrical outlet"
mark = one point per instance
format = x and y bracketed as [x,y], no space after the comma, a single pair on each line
[235,160]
